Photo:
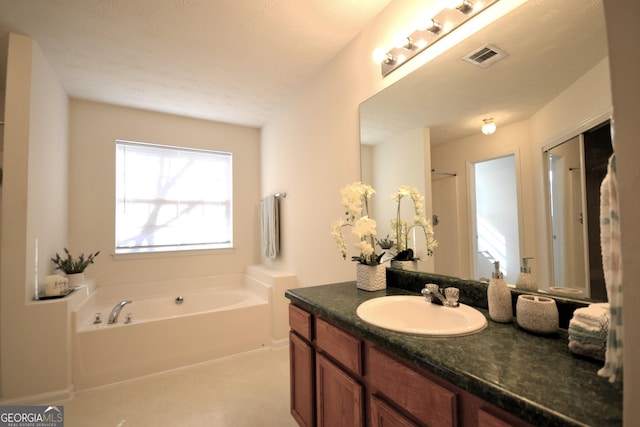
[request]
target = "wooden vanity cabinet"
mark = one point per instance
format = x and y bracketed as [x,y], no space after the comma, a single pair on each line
[338,380]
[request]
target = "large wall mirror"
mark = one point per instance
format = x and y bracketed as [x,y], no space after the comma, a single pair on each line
[424,130]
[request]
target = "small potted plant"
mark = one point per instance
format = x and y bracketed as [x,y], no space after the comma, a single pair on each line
[73,267]
[371,273]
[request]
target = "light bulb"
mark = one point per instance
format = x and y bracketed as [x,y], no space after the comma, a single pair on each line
[421,44]
[489,126]
[400,40]
[380,55]
[424,21]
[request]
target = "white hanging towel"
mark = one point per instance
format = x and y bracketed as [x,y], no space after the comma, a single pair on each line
[612,264]
[270,227]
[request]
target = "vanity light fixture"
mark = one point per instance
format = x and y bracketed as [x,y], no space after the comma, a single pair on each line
[429,29]
[488,126]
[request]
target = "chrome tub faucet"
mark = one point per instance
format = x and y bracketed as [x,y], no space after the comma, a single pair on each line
[113,317]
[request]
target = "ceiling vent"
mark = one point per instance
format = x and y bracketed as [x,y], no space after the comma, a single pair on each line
[485,56]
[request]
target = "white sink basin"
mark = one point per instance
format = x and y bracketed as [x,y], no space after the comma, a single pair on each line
[414,315]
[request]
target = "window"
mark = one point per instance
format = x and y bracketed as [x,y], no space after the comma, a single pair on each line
[170,198]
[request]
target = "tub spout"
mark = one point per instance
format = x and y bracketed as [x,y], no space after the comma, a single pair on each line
[113,317]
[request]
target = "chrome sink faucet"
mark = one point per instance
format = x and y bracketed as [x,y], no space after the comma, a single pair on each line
[431,293]
[113,317]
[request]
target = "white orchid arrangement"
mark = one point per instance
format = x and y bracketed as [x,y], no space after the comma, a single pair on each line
[401,228]
[355,199]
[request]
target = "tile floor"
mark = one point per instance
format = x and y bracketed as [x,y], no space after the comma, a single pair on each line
[249,389]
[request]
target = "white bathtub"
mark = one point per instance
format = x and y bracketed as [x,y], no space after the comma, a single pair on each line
[219,316]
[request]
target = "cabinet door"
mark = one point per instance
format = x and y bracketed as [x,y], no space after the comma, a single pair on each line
[383,415]
[301,365]
[339,396]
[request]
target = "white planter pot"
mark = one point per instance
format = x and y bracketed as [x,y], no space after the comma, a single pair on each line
[76,279]
[405,265]
[371,277]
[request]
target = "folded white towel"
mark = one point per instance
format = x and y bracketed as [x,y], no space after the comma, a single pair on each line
[578,333]
[588,350]
[593,317]
[587,328]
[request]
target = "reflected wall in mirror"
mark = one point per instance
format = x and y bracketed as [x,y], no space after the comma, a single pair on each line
[553,85]
[575,169]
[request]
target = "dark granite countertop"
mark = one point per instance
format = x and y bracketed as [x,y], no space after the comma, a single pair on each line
[533,377]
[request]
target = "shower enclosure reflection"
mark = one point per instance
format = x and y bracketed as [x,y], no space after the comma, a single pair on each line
[575,170]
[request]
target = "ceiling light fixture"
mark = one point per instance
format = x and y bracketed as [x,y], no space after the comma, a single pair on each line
[488,126]
[429,30]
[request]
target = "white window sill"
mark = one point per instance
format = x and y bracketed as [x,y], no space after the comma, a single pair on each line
[167,253]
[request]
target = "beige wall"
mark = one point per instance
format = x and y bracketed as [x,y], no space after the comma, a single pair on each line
[94,128]
[34,335]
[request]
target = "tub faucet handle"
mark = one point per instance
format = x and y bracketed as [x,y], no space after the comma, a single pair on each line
[97,319]
[129,318]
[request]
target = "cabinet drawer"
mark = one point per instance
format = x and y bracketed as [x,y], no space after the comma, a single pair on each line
[340,345]
[300,322]
[422,398]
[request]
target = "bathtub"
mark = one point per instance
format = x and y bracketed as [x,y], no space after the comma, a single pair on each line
[174,324]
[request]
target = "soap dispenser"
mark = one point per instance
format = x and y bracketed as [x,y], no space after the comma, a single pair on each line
[525,279]
[499,297]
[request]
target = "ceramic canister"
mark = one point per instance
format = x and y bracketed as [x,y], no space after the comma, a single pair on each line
[537,314]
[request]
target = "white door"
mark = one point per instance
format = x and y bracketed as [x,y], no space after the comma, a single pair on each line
[495,212]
